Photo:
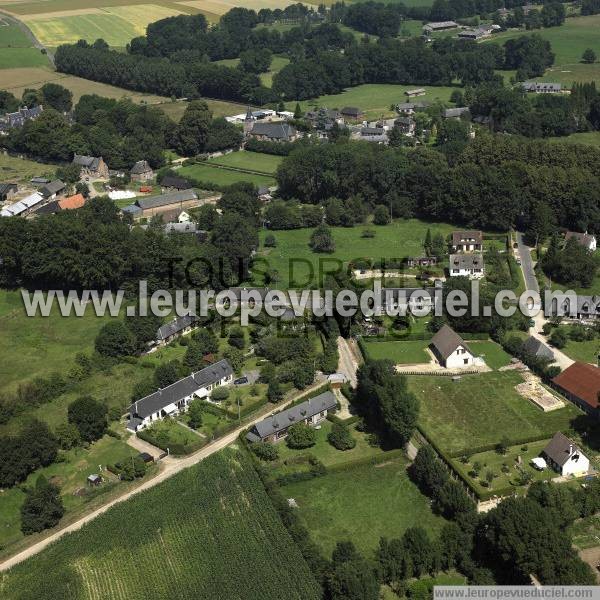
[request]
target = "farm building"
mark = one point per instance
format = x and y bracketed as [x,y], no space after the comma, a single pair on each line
[269,131]
[72,202]
[352,112]
[450,349]
[439,26]
[7,191]
[580,383]
[174,184]
[565,457]
[421,261]
[537,348]
[153,205]
[466,265]
[141,172]
[22,207]
[377,135]
[587,240]
[416,92]
[456,113]
[311,412]
[53,189]
[467,241]
[478,33]
[91,166]
[176,397]
[410,108]
[541,87]
[177,327]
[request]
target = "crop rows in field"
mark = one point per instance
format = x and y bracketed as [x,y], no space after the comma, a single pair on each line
[208,532]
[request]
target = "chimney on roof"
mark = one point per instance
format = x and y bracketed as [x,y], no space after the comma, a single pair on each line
[570,449]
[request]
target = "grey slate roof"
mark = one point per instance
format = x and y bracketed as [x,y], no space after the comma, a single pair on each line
[541,87]
[89,162]
[450,113]
[19,118]
[466,261]
[181,228]
[5,188]
[537,348]
[295,414]
[178,183]
[141,166]
[39,180]
[180,389]
[48,209]
[351,111]
[276,131]
[468,236]
[585,239]
[588,305]
[132,209]
[395,295]
[52,188]
[169,329]
[560,448]
[446,341]
[166,199]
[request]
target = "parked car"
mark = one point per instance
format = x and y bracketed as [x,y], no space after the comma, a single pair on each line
[240,381]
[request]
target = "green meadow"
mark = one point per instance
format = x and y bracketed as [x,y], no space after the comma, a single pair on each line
[396,240]
[251,161]
[223,177]
[16,50]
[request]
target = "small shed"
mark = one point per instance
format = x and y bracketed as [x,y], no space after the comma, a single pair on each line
[94,479]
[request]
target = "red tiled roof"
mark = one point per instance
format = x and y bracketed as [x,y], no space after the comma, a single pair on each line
[72,202]
[581,380]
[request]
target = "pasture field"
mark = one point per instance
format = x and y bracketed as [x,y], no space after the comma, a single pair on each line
[252,161]
[21,170]
[591,138]
[396,240]
[17,80]
[362,504]
[219,108]
[586,351]
[399,352]
[70,475]
[482,409]
[210,527]
[16,49]
[223,177]
[37,346]
[374,98]
[568,41]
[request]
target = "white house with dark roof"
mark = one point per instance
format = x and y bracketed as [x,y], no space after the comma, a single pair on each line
[467,241]
[565,457]
[450,349]
[311,412]
[176,397]
[587,240]
[174,329]
[466,265]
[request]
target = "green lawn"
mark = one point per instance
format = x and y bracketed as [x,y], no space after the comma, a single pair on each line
[586,532]
[214,175]
[22,170]
[324,451]
[374,99]
[402,352]
[219,108]
[12,36]
[482,409]
[16,49]
[362,504]
[31,347]
[591,138]
[277,64]
[398,239]
[493,354]
[586,351]
[70,475]
[494,462]
[169,432]
[568,41]
[252,161]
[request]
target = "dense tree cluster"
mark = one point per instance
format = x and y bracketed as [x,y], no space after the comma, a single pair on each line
[89,416]
[383,397]
[21,454]
[572,265]
[495,182]
[42,507]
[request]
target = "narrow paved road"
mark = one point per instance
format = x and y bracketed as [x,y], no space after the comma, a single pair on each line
[348,365]
[527,266]
[531,283]
[169,466]
[23,27]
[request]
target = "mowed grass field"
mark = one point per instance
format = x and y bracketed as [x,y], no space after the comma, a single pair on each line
[375,99]
[398,239]
[362,504]
[399,352]
[568,41]
[252,161]
[210,527]
[20,170]
[16,49]
[482,409]
[223,177]
[591,138]
[36,346]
